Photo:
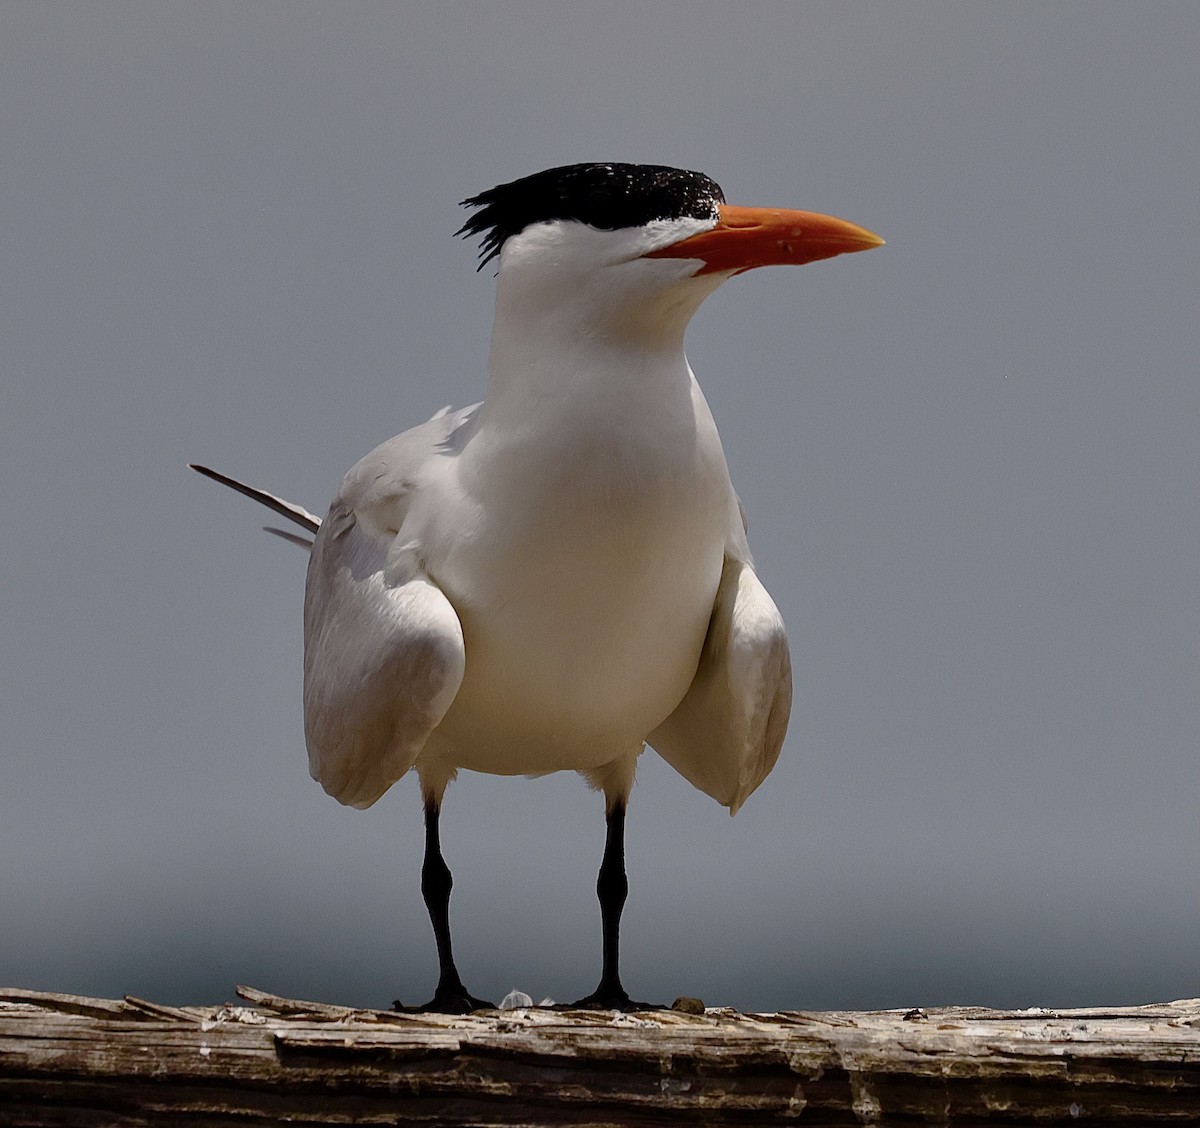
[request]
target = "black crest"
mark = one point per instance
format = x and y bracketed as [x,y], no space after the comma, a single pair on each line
[605,196]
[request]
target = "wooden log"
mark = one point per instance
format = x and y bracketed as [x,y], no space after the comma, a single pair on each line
[72,1061]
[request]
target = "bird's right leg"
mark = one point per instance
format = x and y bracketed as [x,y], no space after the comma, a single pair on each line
[451,997]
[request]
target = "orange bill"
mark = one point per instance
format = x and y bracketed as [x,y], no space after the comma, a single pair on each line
[748,237]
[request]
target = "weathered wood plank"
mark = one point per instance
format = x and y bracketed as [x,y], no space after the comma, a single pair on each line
[67,1060]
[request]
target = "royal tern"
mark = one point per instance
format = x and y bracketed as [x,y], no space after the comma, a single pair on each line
[558,576]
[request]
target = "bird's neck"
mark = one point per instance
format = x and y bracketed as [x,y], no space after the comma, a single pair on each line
[562,362]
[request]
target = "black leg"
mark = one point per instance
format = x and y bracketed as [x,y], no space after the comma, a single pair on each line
[451,996]
[612,887]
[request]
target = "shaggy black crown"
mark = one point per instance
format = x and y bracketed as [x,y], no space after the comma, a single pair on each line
[605,196]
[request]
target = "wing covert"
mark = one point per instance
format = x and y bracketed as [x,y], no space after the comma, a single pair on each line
[383,660]
[725,735]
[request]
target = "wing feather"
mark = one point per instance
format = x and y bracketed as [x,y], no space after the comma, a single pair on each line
[724,737]
[383,660]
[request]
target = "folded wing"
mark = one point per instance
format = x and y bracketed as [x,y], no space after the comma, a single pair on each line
[725,735]
[383,647]
[383,659]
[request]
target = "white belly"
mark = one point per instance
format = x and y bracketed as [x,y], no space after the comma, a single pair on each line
[584,596]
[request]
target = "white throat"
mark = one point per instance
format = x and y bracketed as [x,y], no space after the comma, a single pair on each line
[600,346]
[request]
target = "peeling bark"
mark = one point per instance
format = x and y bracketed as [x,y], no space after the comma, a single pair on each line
[67,1061]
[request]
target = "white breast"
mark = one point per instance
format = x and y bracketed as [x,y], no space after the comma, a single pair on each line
[584,585]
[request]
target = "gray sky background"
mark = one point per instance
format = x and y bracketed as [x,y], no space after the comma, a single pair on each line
[971,462]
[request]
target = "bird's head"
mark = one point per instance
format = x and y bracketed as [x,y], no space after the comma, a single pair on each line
[637,245]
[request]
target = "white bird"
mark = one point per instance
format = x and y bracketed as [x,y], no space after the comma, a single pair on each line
[558,576]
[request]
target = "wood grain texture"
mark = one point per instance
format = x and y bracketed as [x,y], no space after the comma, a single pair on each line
[68,1061]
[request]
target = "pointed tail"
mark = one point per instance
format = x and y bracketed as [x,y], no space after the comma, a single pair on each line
[296,513]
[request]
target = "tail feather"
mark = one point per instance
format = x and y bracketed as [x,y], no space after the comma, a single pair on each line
[296,513]
[291,538]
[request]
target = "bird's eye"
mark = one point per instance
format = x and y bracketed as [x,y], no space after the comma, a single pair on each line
[601,209]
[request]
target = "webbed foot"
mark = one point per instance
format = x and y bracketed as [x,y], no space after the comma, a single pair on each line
[455,1000]
[610,996]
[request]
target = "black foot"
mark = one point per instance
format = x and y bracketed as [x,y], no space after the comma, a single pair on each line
[610,998]
[447,1002]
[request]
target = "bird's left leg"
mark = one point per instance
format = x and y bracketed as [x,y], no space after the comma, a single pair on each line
[612,888]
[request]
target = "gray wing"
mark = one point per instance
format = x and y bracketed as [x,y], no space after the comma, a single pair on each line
[383,660]
[725,735]
[383,647]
